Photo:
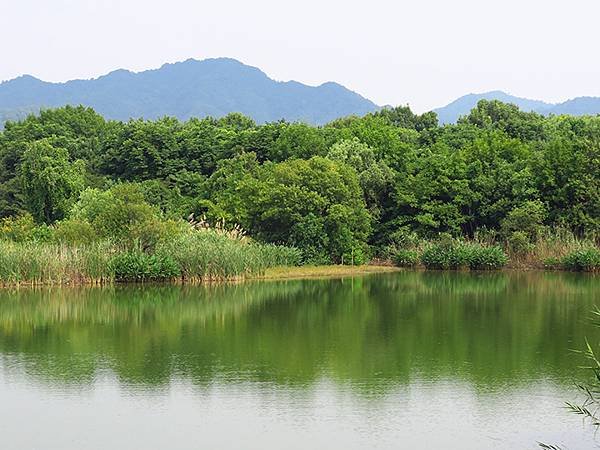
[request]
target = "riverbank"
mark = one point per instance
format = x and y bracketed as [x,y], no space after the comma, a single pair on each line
[333,271]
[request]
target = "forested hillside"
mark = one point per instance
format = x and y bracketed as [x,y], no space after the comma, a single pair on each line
[212,87]
[354,188]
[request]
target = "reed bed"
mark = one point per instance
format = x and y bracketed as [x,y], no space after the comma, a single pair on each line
[45,263]
[550,249]
[192,257]
[214,256]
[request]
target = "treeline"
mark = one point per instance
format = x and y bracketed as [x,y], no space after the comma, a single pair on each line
[357,188]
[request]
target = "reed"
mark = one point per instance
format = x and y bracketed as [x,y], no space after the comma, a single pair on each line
[44,263]
[210,255]
[194,256]
[549,249]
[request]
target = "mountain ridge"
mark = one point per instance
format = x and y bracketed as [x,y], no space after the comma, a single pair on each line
[219,86]
[190,88]
[585,105]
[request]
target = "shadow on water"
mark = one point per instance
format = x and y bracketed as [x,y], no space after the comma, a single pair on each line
[371,332]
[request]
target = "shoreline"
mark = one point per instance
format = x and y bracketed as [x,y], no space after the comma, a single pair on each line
[332,271]
[281,273]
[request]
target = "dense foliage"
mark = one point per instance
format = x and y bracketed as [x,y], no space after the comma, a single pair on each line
[355,188]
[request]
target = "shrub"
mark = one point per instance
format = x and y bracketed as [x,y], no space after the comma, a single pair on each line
[459,255]
[122,215]
[584,260]
[519,243]
[444,256]
[406,258]
[23,229]
[139,266]
[485,258]
[527,218]
[74,231]
[17,228]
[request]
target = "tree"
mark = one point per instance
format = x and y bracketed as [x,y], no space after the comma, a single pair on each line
[50,182]
[493,114]
[122,214]
[403,117]
[375,177]
[316,205]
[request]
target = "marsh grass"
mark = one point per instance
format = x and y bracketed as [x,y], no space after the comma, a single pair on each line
[549,249]
[192,257]
[210,255]
[46,263]
[463,255]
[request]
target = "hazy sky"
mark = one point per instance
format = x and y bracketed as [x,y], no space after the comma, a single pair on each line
[421,52]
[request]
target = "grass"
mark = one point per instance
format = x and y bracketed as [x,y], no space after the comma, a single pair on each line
[548,250]
[555,249]
[279,273]
[206,255]
[38,263]
[197,256]
[463,255]
[582,260]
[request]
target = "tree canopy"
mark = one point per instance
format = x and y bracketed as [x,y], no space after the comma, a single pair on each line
[338,192]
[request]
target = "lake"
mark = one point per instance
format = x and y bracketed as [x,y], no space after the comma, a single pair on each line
[411,360]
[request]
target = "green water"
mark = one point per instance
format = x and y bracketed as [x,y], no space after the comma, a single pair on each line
[403,360]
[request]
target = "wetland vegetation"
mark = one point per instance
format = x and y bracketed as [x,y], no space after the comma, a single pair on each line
[82,198]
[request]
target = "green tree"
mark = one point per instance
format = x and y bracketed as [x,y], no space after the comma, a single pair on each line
[316,205]
[50,182]
[375,177]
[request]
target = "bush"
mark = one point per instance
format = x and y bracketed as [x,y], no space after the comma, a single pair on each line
[122,215]
[406,258]
[17,228]
[485,258]
[519,243]
[23,229]
[74,231]
[584,260]
[527,218]
[444,256]
[139,266]
[458,255]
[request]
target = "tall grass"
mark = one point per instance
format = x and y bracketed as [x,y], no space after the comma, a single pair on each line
[44,263]
[194,256]
[208,255]
[548,249]
[463,255]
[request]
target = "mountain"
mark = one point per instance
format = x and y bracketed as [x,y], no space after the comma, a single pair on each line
[212,87]
[462,106]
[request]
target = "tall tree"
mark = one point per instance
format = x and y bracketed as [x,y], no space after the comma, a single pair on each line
[51,182]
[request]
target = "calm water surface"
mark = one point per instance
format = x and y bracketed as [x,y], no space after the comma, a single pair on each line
[405,360]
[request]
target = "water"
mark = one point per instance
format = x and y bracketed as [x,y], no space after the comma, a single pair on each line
[404,360]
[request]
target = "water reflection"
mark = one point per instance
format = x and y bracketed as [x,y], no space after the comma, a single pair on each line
[371,333]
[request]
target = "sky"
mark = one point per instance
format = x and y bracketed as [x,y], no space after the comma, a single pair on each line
[424,53]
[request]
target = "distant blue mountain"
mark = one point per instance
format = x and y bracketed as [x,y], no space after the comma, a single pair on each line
[212,87]
[461,107]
